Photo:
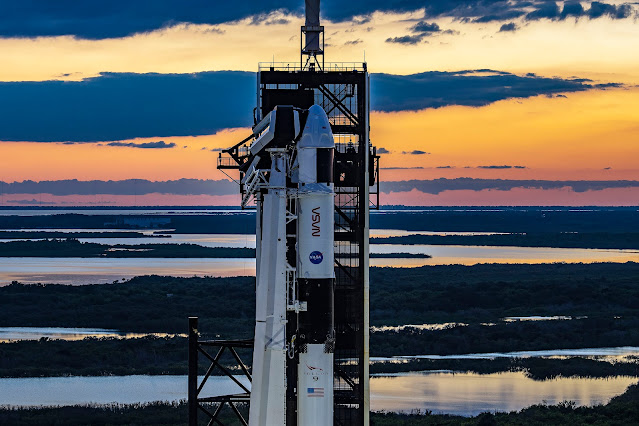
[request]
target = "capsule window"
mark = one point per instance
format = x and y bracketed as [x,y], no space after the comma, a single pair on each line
[325,165]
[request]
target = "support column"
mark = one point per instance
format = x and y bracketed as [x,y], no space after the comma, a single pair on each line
[192,381]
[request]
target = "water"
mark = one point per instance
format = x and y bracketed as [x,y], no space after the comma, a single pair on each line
[211,240]
[78,271]
[11,334]
[470,255]
[122,211]
[442,392]
[612,353]
[469,394]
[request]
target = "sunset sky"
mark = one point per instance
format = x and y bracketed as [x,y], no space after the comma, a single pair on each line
[475,102]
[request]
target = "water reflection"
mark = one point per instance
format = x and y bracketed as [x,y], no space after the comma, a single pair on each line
[76,271]
[622,351]
[79,271]
[11,334]
[469,394]
[470,255]
[442,392]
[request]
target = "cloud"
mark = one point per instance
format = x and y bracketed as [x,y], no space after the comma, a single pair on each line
[402,168]
[415,152]
[501,16]
[501,167]
[420,30]
[598,9]
[425,27]
[437,186]
[436,89]
[120,18]
[407,39]
[548,10]
[121,187]
[551,11]
[353,42]
[509,27]
[382,150]
[146,145]
[445,167]
[120,106]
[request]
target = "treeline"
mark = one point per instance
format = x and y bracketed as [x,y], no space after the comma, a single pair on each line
[524,219]
[71,247]
[621,410]
[169,356]
[599,240]
[226,306]
[535,368]
[429,294]
[9,235]
[74,248]
[508,337]
[488,292]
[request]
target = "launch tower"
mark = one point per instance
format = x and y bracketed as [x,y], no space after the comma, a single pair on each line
[289,97]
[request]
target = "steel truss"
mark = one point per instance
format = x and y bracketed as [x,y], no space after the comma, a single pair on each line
[213,406]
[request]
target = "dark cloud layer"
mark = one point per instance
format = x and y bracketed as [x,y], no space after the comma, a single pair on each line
[509,27]
[123,106]
[145,145]
[437,186]
[118,18]
[473,88]
[121,187]
[116,107]
[224,187]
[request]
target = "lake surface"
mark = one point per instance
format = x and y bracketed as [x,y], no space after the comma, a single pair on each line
[606,353]
[77,271]
[210,240]
[442,392]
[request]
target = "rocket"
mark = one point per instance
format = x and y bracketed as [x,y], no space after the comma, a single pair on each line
[300,172]
[315,270]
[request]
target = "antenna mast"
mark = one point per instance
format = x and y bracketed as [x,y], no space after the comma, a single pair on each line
[312,38]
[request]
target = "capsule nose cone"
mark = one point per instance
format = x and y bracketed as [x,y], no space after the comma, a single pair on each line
[317,130]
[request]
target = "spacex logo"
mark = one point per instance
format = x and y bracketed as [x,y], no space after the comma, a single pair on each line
[316,257]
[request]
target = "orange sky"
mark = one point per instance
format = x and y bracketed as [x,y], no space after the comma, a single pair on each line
[592,135]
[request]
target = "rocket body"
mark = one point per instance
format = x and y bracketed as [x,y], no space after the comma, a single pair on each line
[306,249]
[315,270]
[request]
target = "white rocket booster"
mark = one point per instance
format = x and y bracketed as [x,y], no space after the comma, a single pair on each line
[315,270]
[315,335]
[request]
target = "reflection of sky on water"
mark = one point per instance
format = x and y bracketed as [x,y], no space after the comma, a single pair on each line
[98,270]
[47,391]
[77,271]
[622,351]
[469,255]
[441,392]
[9,334]
[470,394]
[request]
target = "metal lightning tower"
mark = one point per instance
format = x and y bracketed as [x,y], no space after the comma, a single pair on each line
[309,170]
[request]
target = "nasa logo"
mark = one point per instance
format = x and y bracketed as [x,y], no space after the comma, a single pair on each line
[316,257]
[316,218]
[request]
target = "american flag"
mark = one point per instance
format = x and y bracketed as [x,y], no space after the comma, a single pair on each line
[316,392]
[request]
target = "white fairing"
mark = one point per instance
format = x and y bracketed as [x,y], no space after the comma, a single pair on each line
[268,387]
[315,391]
[315,249]
[317,134]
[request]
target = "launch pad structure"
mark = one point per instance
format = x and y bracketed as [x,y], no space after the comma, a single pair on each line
[342,91]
